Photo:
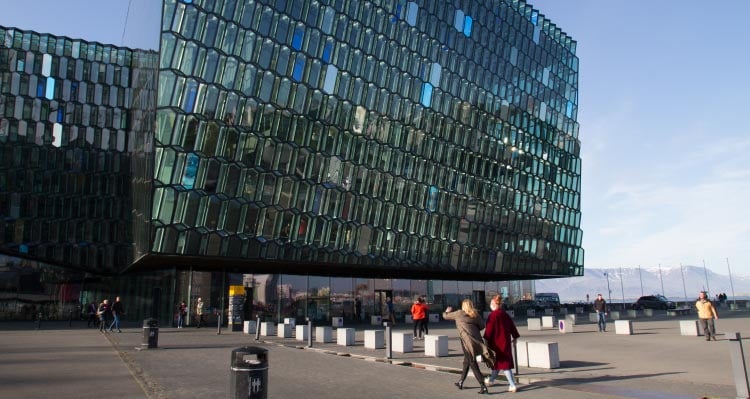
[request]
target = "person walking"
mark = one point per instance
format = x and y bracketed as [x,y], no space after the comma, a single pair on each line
[181,313]
[706,314]
[500,333]
[469,324]
[199,313]
[358,310]
[600,306]
[389,307]
[419,312]
[103,311]
[118,310]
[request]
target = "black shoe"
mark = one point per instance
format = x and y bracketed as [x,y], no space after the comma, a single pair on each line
[459,384]
[483,390]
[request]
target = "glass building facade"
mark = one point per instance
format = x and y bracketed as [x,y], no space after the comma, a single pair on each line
[309,151]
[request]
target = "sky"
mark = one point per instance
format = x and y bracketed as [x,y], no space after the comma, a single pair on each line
[663,96]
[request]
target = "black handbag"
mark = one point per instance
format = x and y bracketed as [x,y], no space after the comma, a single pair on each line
[489,357]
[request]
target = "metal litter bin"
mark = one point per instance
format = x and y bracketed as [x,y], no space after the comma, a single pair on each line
[150,333]
[249,378]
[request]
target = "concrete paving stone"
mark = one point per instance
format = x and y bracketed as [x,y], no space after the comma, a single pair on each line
[75,362]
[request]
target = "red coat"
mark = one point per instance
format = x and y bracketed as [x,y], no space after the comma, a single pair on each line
[499,332]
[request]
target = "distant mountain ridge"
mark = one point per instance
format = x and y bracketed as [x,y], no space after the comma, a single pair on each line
[628,281]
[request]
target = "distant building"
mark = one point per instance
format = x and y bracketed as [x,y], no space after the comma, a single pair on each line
[311,152]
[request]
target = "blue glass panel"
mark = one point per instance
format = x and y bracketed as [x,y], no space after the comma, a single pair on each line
[569,110]
[191,170]
[60,115]
[188,1]
[426,94]
[299,35]
[534,17]
[467,26]
[190,99]
[432,197]
[327,50]
[299,68]
[435,73]
[40,88]
[537,31]
[50,88]
[411,13]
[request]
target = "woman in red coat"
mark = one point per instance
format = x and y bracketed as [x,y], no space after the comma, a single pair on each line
[500,333]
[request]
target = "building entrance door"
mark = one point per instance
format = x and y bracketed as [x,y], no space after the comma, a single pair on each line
[478,297]
[381,309]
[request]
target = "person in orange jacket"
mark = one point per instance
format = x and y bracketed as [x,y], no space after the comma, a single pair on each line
[419,313]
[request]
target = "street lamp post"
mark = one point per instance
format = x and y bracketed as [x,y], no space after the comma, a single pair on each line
[662,280]
[734,298]
[684,289]
[609,291]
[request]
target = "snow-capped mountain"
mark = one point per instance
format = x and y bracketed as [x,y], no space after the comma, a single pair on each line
[627,282]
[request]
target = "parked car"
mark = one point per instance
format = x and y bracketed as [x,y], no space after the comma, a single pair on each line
[653,302]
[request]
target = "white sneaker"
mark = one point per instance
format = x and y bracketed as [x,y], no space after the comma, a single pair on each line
[488,382]
[512,388]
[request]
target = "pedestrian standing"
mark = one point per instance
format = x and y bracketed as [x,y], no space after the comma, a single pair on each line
[118,310]
[199,313]
[469,324]
[104,312]
[600,306]
[706,314]
[181,313]
[389,306]
[419,312]
[500,333]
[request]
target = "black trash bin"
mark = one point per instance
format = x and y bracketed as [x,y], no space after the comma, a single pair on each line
[249,373]
[150,333]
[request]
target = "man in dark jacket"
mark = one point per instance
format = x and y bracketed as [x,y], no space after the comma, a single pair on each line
[117,311]
[600,305]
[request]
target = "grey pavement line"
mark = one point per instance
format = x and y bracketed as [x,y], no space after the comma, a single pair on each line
[151,389]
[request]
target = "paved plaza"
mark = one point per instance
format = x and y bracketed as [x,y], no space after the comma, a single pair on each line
[656,362]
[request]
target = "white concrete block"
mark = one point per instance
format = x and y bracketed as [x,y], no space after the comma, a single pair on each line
[632,313]
[301,332]
[690,328]
[522,353]
[579,309]
[434,317]
[543,355]
[402,342]
[249,327]
[345,336]
[565,326]
[337,322]
[530,313]
[323,334]
[436,345]
[376,320]
[594,317]
[284,331]
[267,329]
[615,315]
[548,321]
[648,312]
[548,312]
[570,319]
[374,339]
[563,311]
[511,313]
[534,324]
[291,321]
[624,327]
